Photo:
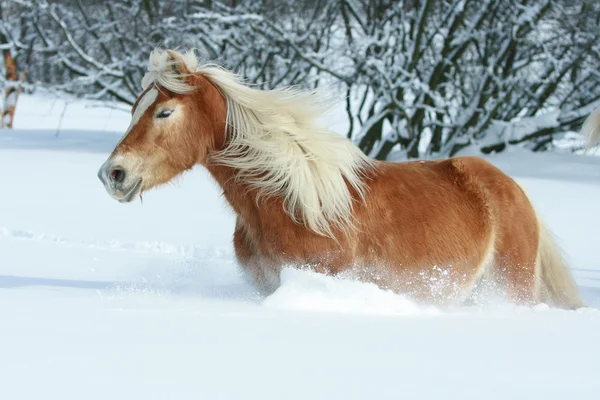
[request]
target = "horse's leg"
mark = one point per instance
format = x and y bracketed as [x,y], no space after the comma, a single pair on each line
[516,252]
[515,272]
[514,230]
[265,280]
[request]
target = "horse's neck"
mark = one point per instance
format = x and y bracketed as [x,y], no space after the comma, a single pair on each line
[240,196]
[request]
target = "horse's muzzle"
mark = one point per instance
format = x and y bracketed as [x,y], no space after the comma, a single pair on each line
[118,183]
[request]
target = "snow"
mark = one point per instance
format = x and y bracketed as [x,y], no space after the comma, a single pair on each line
[144,301]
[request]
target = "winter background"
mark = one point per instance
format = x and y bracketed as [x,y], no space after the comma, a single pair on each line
[100,300]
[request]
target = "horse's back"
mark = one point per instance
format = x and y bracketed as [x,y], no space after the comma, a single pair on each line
[429,196]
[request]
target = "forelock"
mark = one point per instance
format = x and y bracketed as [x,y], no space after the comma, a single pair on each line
[161,72]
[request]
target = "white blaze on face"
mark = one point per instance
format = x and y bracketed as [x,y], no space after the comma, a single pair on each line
[145,102]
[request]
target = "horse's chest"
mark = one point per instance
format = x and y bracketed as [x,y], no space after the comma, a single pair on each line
[280,245]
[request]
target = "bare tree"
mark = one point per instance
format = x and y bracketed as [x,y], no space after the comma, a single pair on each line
[421,78]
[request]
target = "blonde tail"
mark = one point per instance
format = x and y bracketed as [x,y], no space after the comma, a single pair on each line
[556,284]
[591,129]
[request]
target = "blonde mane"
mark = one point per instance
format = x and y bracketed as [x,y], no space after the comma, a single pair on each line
[591,129]
[277,146]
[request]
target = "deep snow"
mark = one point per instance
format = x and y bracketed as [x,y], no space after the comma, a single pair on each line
[100,300]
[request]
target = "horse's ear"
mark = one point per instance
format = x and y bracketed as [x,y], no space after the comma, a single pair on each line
[177,64]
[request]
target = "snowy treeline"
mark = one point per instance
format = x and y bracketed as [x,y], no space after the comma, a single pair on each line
[420,77]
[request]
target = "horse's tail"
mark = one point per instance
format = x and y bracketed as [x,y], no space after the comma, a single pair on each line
[556,284]
[591,129]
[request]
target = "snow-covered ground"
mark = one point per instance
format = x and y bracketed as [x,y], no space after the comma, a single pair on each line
[101,300]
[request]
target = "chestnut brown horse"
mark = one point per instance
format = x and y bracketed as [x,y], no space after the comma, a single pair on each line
[435,231]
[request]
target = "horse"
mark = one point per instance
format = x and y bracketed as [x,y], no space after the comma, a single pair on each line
[591,129]
[435,231]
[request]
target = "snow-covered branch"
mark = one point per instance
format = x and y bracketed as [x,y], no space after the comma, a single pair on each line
[423,77]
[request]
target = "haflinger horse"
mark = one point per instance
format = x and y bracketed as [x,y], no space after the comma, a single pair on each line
[591,129]
[304,197]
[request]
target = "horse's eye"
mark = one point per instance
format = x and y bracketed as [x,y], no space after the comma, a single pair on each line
[164,113]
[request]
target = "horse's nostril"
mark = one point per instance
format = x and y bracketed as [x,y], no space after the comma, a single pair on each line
[117,175]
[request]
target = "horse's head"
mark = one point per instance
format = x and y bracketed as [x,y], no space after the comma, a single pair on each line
[177,120]
[271,141]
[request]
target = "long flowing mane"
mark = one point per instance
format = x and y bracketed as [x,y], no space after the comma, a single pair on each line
[591,129]
[277,145]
